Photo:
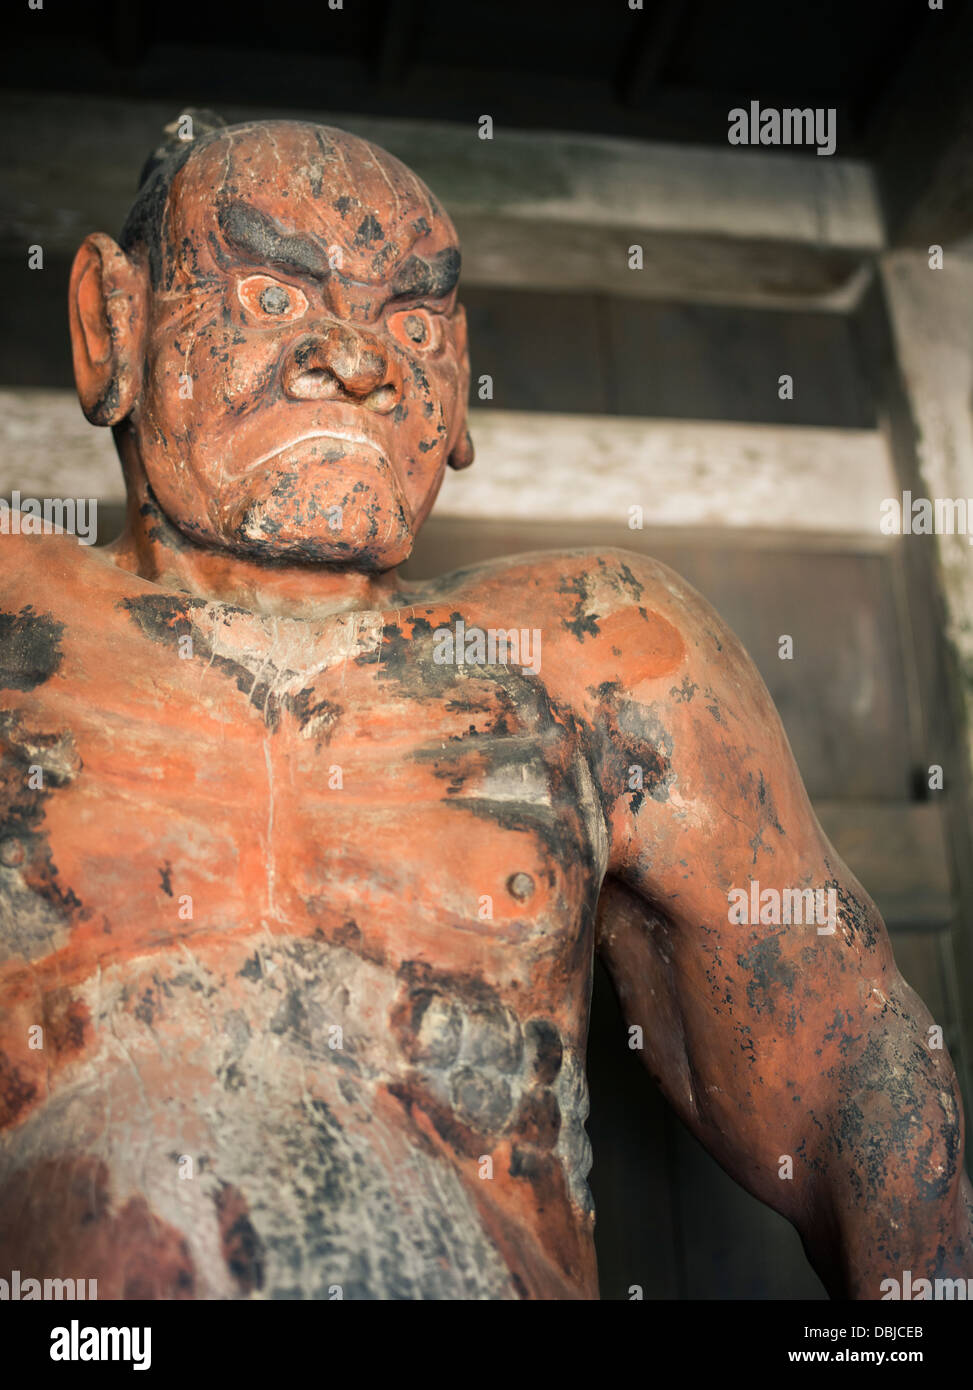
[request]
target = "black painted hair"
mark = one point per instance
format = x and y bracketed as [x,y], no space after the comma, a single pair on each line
[144,225]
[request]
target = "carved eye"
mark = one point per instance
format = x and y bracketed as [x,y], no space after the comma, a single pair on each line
[270,300]
[275,300]
[416,329]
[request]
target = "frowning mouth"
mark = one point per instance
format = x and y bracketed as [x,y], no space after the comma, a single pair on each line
[337,436]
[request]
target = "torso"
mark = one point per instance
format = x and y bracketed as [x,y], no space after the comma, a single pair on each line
[313,911]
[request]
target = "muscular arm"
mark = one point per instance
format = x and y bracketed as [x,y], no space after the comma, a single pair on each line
[771,1039]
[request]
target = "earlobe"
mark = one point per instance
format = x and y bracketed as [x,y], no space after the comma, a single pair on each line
[462,456]
[107,308]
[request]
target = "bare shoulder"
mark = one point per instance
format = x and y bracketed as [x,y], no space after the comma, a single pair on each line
[664,689]
[582,587]
[53,591]
[46,563]
[611,623]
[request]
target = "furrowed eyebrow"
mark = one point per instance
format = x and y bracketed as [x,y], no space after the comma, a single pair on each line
[434,277]
[260,238]
[257,236]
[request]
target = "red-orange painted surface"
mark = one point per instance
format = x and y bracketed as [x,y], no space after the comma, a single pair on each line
[306,911]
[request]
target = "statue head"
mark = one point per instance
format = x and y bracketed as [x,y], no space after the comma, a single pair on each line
[277,343]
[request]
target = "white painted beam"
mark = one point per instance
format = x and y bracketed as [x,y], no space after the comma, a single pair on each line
[553,468]
[679,472]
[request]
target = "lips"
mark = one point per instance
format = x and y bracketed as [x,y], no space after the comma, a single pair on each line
[320,440]
[321,462]
[255,441]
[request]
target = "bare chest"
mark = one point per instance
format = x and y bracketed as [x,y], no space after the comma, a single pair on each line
[255,861]
[189,771]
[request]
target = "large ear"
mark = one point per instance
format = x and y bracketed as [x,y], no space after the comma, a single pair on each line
[461,454]
[107,304]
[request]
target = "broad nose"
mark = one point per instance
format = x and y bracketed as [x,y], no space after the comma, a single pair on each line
[342,363]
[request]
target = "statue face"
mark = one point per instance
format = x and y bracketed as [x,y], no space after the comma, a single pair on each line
[305,366]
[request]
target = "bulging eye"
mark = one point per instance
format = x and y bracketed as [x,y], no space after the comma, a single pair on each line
[271,301]
[416,329]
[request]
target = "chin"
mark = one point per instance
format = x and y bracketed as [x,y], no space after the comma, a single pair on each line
[367,537]
[357,518]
